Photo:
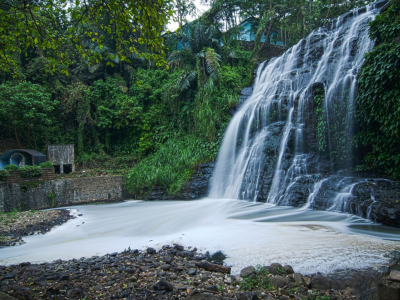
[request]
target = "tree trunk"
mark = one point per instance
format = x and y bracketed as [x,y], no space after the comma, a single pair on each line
[16,136]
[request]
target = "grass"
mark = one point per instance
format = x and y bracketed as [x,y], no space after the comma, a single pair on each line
[10,217]
[259,281]
[171,166]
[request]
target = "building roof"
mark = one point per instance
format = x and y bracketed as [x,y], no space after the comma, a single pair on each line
[34,153]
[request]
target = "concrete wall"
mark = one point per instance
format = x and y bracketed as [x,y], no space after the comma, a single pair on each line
[62,192]
[61,155]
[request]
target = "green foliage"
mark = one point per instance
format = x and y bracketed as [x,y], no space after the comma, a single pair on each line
[4,174]
[26,111]
[377,106]
[171,166]
[34,184]
[59,29]
[47,164]
[52,197]
[322,127]
[260,281]
[11,167]
[30,171]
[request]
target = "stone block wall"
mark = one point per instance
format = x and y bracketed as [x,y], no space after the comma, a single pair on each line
[61,192]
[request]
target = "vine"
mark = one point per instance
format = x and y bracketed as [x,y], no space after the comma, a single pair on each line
[377,106]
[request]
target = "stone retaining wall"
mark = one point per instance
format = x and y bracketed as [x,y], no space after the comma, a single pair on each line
[61,192]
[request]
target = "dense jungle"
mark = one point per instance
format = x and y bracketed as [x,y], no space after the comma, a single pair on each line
[132,96]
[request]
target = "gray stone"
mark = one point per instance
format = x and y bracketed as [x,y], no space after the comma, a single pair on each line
[275,268]
[213,288]
[192,272]
[279,281]
[307,280]
[9,275]
[320,282]
[388,290]
[298,278]
[151,250]
[163,285]
[247,271]
[246,296]
[165,267]
[288,269]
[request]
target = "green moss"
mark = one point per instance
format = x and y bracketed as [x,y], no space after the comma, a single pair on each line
[34,184]
[52,197]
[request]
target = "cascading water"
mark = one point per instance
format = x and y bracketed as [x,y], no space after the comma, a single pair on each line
[270,144]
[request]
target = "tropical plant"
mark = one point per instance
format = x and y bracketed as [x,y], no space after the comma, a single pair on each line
[54,28]
[4,174]
[30,171]
[378,109]
[11,167]
[47,164]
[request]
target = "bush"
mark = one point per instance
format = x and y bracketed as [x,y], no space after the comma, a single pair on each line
[30,171]
[11,167]
[4,174]
[171,166]
[47,164]
[378,103]
[260,281]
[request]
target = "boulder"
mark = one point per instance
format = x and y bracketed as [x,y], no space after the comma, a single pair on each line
[279,281]
[320,282]
[163,285]
[288,269]
[247,271]
[275,268]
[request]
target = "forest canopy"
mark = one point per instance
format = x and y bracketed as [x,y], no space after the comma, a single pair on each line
[63,31]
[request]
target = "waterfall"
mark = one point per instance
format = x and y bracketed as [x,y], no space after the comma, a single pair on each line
[271,143]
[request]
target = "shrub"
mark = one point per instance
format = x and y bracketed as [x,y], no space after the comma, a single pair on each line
[378,103]
[260,281]
[11,167]
[171,166]
[47,164]
[4,174]
[30,171]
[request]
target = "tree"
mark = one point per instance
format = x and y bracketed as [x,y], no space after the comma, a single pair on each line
[26,110]
[55,27]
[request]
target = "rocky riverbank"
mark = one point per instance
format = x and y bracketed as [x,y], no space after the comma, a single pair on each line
[174,272]
[15,225]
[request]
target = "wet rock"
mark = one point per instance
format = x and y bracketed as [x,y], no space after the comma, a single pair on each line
[9,275]
[245,272]
[76,293]
[307,280]
[279,281]
[212,288]
[246,296]
[275,268]
[192,272]
[151,251]
[213,267]
[288,269]
[298,278]
[63,276]
[165,267]
[319,282]
[163,285]
[388,290]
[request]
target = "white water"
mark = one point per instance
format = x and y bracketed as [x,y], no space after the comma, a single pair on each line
[248,233]
[281,91]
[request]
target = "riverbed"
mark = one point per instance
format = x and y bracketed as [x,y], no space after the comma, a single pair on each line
[248,233]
